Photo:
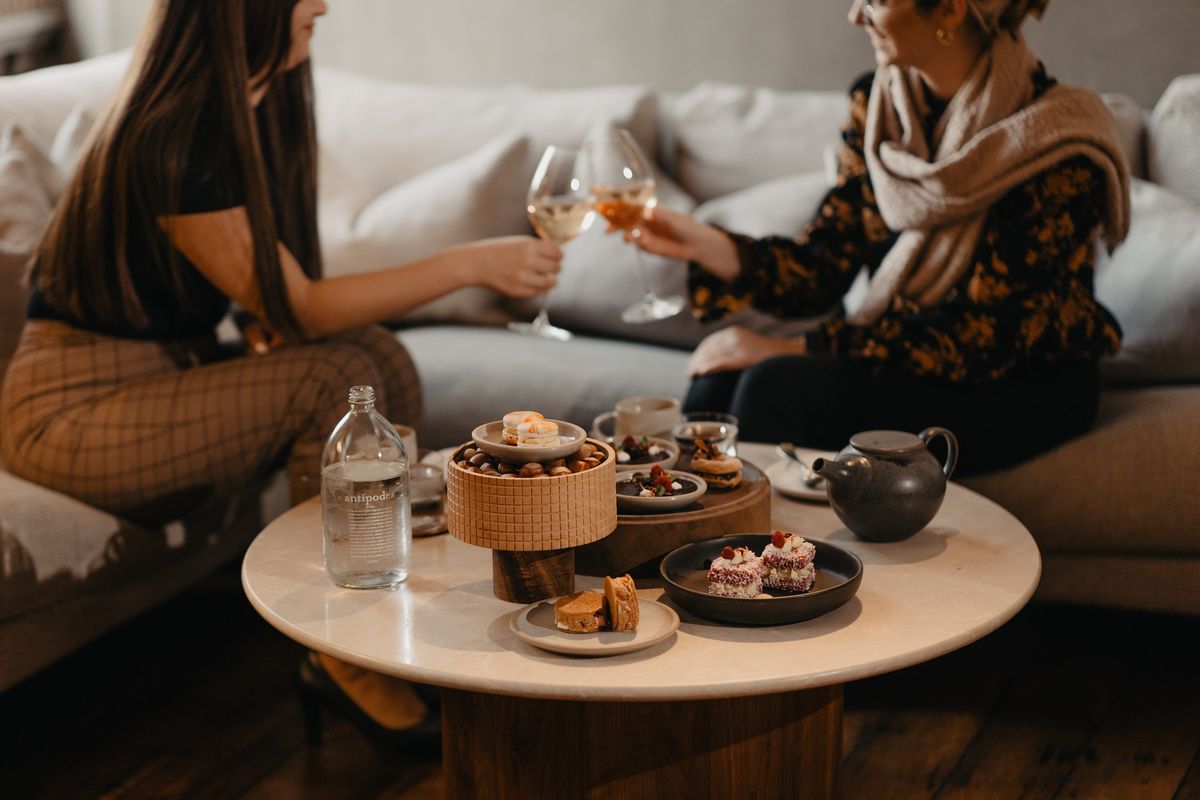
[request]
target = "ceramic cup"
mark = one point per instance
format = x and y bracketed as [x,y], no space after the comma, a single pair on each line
[638,416]
[408,435]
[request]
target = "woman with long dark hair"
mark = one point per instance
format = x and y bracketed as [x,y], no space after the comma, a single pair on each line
[197,188]
[971,186]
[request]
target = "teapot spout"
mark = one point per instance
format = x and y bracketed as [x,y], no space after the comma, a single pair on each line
[833,471]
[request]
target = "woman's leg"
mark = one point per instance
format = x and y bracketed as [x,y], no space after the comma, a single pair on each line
[116,424]
[712,392]
[821,403]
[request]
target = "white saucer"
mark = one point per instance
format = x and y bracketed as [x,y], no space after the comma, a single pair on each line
[489,438]
[534,624]
[787,477]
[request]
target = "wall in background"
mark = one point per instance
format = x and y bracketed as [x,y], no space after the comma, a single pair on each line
[1106,45]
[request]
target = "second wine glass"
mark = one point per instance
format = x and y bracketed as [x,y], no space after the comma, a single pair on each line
[560,208]
[623,184]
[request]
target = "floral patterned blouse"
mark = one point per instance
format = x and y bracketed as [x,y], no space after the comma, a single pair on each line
[1028,298]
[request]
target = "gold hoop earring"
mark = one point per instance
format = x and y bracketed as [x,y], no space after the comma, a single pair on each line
[945,38]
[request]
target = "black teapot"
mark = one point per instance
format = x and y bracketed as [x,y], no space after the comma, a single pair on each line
[886,485]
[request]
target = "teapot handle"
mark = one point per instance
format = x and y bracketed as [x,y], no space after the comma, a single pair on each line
[951,447]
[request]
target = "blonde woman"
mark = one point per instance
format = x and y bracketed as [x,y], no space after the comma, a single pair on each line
[972,186]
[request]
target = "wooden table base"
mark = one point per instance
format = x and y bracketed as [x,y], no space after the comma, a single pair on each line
[782,745]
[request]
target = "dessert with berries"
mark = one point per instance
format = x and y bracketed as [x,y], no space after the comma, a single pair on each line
[787,563]
[640,451]
[718,470]
[659,483]
[737,573]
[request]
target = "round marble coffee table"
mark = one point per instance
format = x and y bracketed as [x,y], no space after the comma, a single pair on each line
[714,710]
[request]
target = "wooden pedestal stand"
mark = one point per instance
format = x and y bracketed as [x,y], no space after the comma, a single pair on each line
[640,540]
[532,525]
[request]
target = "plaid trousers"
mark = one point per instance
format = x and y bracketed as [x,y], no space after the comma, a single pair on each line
[133,426]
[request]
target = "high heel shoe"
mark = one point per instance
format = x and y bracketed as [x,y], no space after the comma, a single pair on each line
[318,692]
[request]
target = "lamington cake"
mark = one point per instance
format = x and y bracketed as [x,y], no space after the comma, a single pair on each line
[737,573]
[787,563]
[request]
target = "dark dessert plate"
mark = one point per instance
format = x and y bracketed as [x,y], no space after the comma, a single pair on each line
[685,578]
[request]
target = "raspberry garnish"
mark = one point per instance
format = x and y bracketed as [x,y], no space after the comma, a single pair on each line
[778,539]
[727,552]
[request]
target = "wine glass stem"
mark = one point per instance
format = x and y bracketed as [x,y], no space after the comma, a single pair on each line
[542,320]
[648,295]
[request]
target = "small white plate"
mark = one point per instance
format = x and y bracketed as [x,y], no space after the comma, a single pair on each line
[787,477]
[489,438]
[534,624]
[671,447]
[673,502]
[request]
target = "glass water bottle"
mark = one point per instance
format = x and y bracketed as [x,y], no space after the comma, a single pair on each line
[364,499]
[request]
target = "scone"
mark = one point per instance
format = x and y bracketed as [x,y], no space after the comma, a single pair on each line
[718,470]
[621,596]
[582,612]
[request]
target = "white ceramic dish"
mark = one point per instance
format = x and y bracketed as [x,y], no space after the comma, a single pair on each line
[534,625]
[787,478]
[488,438]
[671,447]
[674,502]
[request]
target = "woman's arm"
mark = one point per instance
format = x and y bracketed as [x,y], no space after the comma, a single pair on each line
[219,244]
[1028,297]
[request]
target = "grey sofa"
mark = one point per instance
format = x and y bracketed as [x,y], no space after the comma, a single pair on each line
[1114,511]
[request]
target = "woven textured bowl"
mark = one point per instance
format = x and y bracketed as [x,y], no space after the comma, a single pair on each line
[523,514]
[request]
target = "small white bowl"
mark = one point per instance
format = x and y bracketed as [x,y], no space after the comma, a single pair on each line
[673,502]
[489,438]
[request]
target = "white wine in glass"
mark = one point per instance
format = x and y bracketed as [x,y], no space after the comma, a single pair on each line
[623,187]
[560,208]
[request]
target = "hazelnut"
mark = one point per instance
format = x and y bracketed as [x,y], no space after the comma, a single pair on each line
[470,451]
[464,464]
[586,450]
[556,463]
[561,470]
[532,470]
[578,465]
[508,475]
[475,470]
[506,468]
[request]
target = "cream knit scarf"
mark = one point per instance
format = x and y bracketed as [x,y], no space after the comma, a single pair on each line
[993,136]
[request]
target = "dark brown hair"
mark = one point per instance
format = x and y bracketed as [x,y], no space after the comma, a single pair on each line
[191,57]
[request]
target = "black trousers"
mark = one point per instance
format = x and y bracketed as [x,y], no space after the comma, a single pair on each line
[821,402]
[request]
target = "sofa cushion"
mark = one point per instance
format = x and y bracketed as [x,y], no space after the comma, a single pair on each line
[1173,154]
[488,371]
[392,132]
[1127,486]
[25,204]
[1152,285]
[474,197]
[720,138]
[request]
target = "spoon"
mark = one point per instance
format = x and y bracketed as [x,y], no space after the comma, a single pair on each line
[788,450]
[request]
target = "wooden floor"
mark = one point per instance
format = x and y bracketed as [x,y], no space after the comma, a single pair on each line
[194,700]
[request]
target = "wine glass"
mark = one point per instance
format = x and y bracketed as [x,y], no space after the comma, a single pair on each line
[560,208]
[623,185]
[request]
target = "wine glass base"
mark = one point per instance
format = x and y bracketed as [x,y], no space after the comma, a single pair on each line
[545,331]
[653,310]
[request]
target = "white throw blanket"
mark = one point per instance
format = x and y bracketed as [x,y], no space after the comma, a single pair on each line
[993,136]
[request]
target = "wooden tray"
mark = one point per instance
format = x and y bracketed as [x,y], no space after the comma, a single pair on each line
[641,540]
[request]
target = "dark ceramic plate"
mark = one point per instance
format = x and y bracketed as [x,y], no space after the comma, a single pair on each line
[685,578]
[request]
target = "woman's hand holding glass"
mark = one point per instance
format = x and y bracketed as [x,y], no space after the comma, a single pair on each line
[675,235]
[559,205]
[515,266]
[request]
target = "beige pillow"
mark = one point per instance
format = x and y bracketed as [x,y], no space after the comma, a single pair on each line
[1152,286]
[721,138]
[1173,148]
[388,132]
[475,197]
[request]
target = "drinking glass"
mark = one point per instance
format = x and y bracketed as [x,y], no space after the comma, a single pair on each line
[560,208]
[623,186]
[719,430]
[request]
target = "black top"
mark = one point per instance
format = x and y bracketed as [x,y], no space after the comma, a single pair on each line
[1028,298]
[213,181]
